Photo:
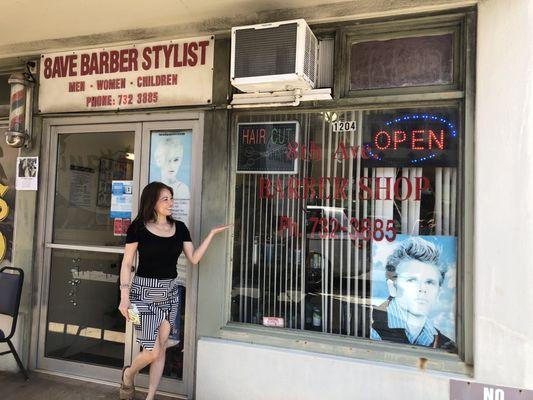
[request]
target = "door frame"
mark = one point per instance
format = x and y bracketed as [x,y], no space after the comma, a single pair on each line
[191,300]
[133,121]
[75,368]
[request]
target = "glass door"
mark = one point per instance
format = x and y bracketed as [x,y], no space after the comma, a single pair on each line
[82,331]
[96,173]
[171,153]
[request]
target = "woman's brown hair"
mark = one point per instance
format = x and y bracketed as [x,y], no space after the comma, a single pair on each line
[149,198]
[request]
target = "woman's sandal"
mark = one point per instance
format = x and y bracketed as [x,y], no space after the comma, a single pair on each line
[126,392]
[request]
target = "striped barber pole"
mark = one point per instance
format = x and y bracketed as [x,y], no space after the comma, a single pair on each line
[17,135]
[18,103]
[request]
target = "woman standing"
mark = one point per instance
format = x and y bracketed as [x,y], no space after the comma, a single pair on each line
[159,239]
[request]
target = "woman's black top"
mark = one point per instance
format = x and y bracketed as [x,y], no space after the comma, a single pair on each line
[158,255]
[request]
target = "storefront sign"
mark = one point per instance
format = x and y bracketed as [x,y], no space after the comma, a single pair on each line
[338,188]
[462,390]
[162,74]
[266,147]
[411,139]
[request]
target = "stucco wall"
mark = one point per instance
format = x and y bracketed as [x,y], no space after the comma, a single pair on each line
[107,22]
[504,189]
[229,370]
[23,240]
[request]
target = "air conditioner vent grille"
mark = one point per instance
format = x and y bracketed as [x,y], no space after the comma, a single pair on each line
[310,55]
[269,51]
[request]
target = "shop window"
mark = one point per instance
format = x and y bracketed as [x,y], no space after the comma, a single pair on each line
[399,63]
[346,223]
[410,56]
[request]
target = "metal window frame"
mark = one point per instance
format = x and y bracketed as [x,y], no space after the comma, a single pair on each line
[52,130]
[401,28]
[461,95]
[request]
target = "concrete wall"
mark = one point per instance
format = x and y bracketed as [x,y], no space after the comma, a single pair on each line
[107,22]
[504,193]
[212,269]
[23,257]
[230,370]
[503,270]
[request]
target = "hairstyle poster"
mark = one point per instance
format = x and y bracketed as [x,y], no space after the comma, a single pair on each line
[170,163]
[27,173]
[414,290]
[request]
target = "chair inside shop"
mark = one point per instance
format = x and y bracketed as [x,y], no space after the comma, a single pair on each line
[10,292]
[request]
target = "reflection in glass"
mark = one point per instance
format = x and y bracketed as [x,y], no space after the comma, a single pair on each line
[87,164]
[83,322]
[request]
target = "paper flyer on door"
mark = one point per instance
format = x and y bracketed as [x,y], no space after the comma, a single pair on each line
[27,173]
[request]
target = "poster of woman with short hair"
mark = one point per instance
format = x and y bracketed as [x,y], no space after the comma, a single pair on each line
[170,163]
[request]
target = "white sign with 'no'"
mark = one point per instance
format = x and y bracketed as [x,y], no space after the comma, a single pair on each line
[464,390]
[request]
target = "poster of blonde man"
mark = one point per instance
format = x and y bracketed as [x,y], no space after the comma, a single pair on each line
[170,163]
[413,291]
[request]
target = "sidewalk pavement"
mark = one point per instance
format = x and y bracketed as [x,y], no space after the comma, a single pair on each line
[49,387]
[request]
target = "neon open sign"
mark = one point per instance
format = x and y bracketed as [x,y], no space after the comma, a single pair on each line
[416,139]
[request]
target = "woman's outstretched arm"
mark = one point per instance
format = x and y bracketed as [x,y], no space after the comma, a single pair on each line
[195,255]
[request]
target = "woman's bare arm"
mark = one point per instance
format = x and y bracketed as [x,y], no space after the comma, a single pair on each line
[125,277]
[195,255]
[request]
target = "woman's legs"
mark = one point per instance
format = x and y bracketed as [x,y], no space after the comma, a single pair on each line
[156,368]
[146,357]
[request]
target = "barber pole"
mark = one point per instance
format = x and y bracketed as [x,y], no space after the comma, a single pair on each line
[16,135]
[18,109]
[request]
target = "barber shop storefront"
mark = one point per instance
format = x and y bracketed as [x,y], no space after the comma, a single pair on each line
[356,158]
[349,215]
[107,121]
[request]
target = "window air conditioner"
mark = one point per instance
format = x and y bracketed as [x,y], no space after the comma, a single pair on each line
[273,57]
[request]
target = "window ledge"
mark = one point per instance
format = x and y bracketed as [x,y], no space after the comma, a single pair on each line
[404,355]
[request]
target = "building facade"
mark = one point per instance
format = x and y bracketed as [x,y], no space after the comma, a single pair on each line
[379,240]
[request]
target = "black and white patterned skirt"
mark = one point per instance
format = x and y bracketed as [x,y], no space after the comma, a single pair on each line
[156,300]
